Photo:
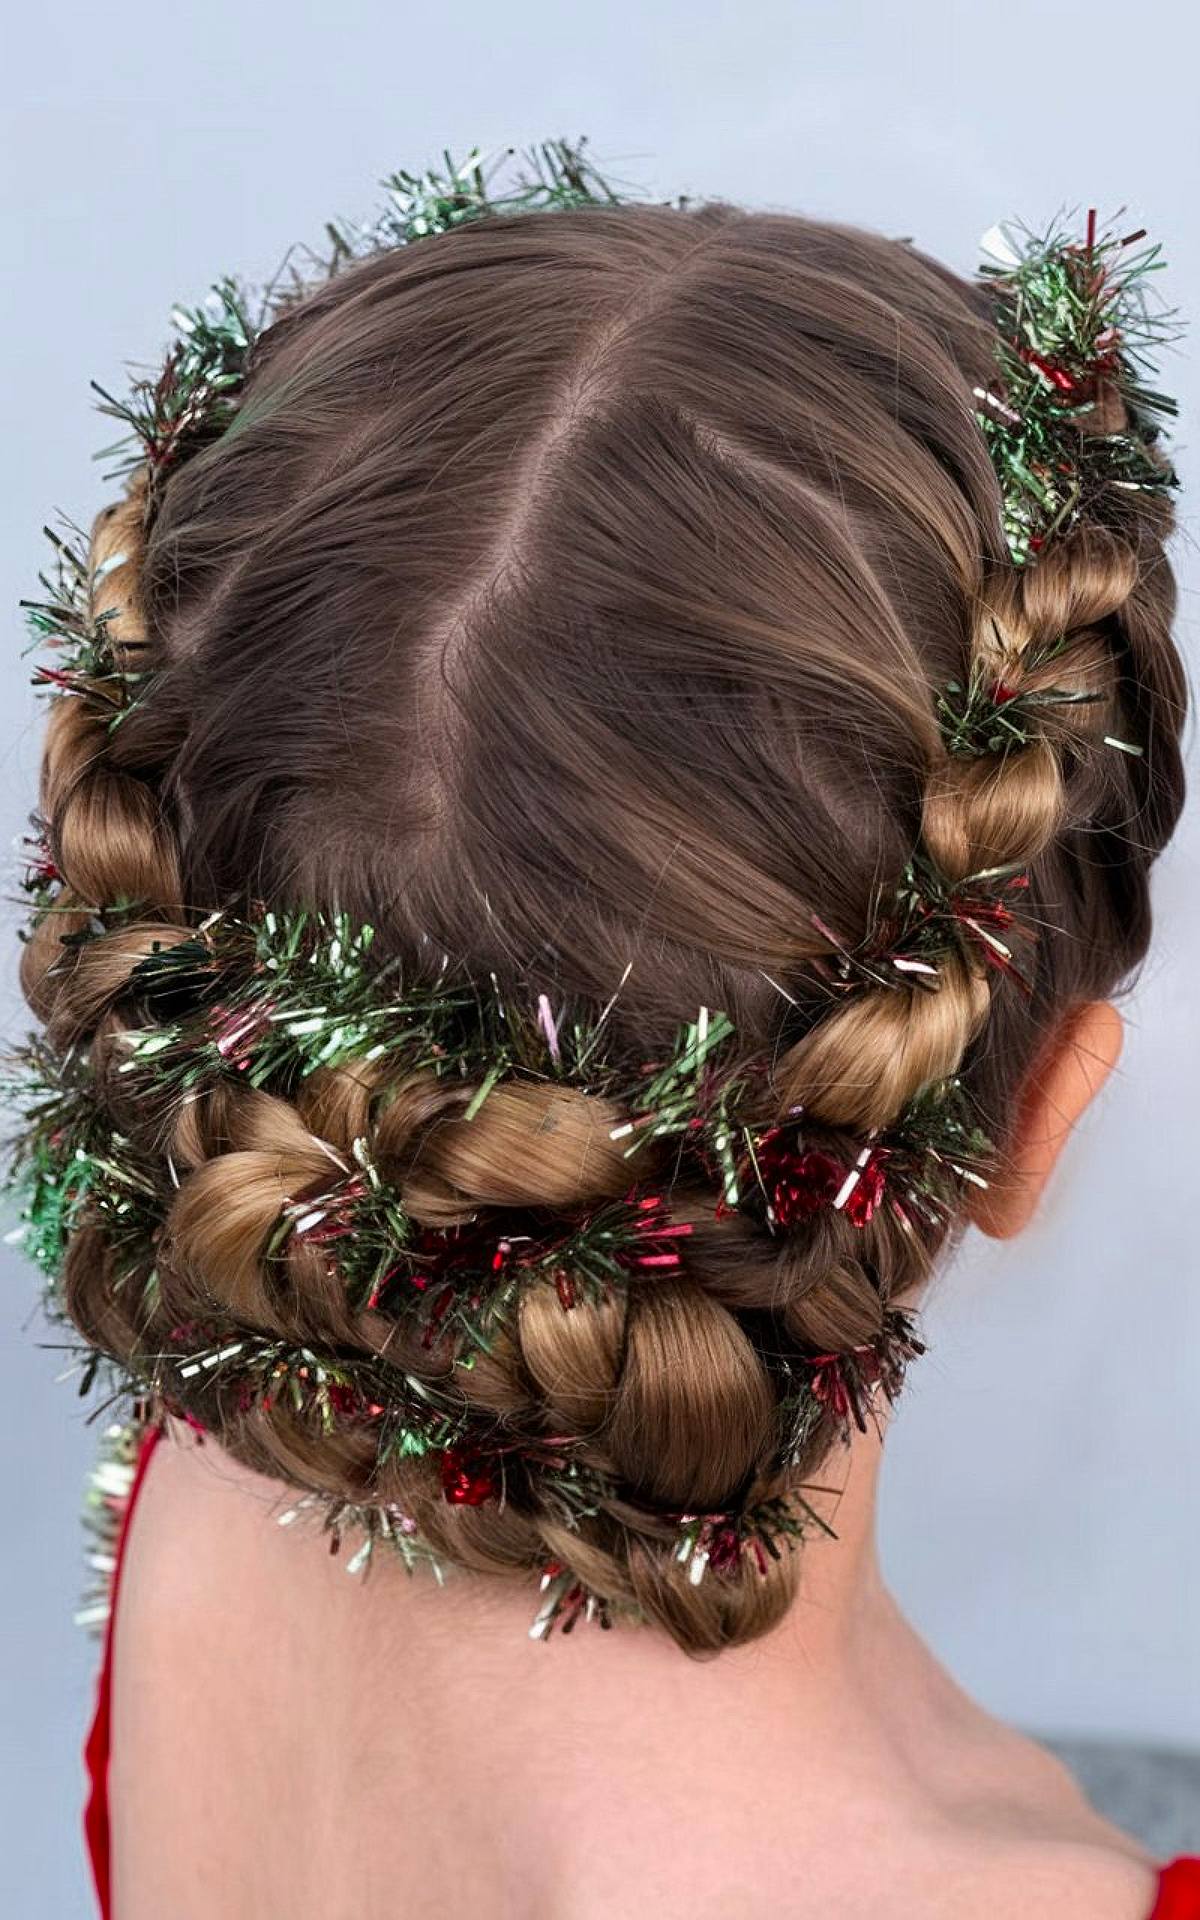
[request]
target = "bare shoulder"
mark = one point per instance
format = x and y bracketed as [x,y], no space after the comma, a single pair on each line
[1072,1882]
[1019,1882]
[1028,1845]
[223,1561]
[238,1670]
[251,1637]
[1061,1882]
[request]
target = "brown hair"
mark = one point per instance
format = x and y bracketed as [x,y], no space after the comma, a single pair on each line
[567,593]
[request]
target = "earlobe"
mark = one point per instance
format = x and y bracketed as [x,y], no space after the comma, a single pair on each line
[1069,1073]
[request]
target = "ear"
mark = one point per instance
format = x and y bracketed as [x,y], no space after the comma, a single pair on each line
[1067,1075]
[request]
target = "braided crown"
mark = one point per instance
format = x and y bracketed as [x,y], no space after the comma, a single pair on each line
[475,1269]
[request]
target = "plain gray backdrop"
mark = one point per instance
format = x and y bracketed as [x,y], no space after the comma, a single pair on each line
[1039,1515]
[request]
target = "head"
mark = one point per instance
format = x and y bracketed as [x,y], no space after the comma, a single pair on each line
[572,597]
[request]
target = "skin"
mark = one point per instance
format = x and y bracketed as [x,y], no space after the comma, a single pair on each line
[290,1741]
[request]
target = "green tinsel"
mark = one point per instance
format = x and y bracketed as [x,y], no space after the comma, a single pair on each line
[67,623]
[67,1161]
[1078,324]
[195,397]
[275,998]
[106,1502]
[269,1002]
[921,920]
[982,718]
[715,1539]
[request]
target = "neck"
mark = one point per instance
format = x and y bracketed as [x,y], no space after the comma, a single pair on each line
[841,1599]
[827,1654]
[828,1767]
[835,1706]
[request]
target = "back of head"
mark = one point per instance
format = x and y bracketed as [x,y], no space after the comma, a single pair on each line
[573,601]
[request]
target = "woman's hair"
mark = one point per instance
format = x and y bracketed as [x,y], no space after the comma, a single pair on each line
[572,596]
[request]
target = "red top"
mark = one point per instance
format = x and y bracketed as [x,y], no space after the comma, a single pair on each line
[1178,1884]
[1178,1891]
[96,1751]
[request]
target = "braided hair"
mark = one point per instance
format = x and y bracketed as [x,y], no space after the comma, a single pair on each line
[577,598]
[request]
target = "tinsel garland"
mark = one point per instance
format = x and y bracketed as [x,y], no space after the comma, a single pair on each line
[269,1002]
[986,717]
[194,397]
[1079,327]
[106,1503]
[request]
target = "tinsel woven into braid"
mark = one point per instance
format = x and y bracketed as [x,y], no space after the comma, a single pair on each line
[466,1261]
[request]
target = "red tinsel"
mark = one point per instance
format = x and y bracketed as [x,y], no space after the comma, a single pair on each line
[347,1400]
[468,1479]
[652,1227]
[236,1031]
[725,1549]
[1057,376]
[867,1192]
[332,1216]
[798,1181]
[41,869]
[842,1383]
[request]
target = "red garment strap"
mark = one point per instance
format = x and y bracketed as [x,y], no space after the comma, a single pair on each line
[96,1751]
[1179,1890]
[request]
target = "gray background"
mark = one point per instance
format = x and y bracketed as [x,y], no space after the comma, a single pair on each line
[1040,1508]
